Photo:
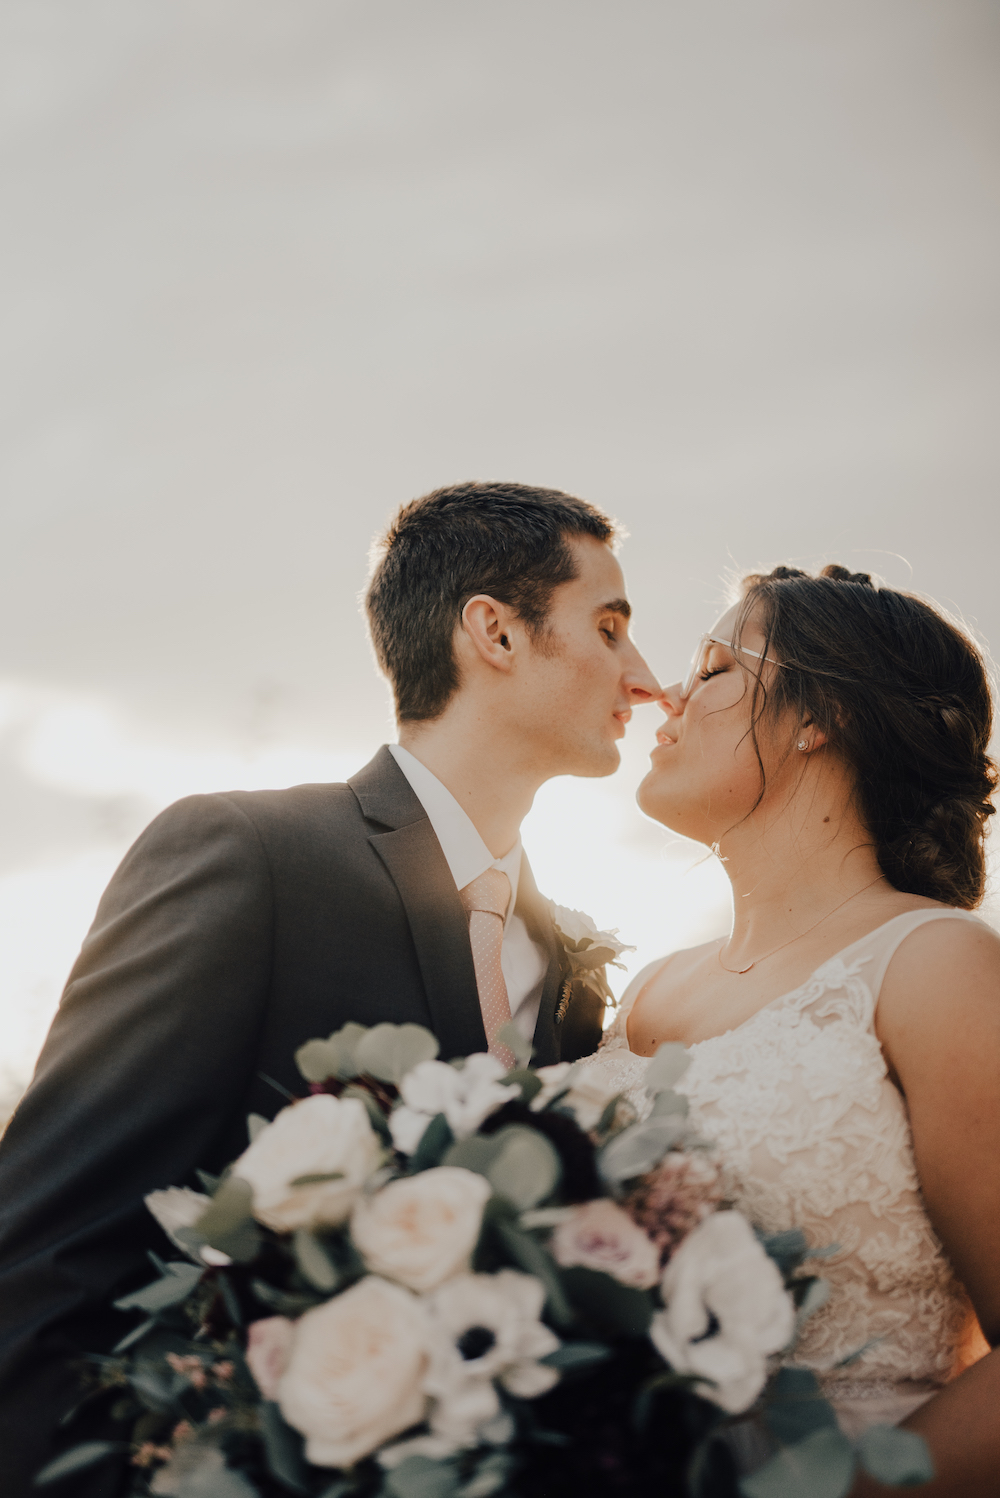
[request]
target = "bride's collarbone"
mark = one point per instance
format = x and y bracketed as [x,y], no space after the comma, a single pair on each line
[695,1005]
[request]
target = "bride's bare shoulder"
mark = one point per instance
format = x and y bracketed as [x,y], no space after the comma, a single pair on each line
[674,964]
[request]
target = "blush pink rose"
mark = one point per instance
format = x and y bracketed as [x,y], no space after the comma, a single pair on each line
[599,1235]
[269,1345]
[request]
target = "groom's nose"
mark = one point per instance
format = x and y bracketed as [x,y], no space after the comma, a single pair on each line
[639,681]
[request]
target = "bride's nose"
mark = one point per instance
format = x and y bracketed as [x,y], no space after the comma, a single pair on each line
[672,699]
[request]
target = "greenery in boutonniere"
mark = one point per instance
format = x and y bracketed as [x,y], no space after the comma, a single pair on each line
[587,952]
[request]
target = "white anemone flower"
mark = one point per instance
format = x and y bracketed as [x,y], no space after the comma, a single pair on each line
[726,1310]
[485,1328]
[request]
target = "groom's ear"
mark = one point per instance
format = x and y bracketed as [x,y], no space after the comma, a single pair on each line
[487,625]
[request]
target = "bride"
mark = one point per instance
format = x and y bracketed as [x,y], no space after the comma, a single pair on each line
[830,744]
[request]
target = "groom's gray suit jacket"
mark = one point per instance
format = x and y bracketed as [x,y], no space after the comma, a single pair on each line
[237,927]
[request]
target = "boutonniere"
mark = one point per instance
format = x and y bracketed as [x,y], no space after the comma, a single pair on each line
[586,951]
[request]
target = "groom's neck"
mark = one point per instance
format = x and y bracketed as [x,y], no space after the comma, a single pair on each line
[488,778]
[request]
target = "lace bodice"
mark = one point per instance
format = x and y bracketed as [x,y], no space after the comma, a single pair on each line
[811,1133]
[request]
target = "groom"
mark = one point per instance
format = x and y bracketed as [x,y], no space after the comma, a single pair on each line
[240,925]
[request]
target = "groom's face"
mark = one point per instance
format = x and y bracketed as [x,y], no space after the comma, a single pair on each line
[577,684]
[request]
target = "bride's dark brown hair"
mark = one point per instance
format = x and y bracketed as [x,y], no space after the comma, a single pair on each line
[903,695]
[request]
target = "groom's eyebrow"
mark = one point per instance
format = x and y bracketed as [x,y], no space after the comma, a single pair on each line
[617,606]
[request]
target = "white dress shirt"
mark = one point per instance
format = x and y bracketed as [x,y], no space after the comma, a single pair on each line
[522,960]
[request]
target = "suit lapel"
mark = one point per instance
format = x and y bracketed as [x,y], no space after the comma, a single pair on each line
[438,924]
[535,912]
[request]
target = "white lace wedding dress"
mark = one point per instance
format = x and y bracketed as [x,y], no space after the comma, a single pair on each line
[811,1133]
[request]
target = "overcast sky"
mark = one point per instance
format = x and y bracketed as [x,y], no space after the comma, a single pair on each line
[729,270]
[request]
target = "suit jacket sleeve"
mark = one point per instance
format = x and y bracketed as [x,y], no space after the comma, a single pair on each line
[147,1060]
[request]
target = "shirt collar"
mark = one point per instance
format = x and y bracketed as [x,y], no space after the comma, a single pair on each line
[466,855]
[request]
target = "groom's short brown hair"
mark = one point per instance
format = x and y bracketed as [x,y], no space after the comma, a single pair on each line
[507,540]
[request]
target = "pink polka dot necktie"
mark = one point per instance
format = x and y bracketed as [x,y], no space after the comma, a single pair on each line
[486,899]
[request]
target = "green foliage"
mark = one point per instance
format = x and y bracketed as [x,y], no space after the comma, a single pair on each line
[530,1256]
[795,1406]
[639,1148]
[519,1163]
[334,1057]
[313,1261]
[577,1357]
[490,1476]
[612,1306]
[421,1477]
[787,1248]
[434,1143]
[669,1063]
[388,1052]
[520,1048]
[227,1223]
[897,1457]
[136,1335]
[821,1466]
[176,1285]
[667,1102]
[282,1449]
[78,1460]
[529,1082]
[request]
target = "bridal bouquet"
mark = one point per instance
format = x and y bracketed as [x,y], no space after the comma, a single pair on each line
[431,1280]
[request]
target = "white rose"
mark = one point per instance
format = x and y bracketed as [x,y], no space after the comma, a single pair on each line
[180,1207]
[575,925]
[269,1346]
[599,1235]
[322,1135]
[587,1094]
[720,1276]
[355,1375]
[421,1230]
[465,1095]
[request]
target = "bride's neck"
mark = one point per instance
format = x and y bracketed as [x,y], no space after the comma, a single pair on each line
[792,866]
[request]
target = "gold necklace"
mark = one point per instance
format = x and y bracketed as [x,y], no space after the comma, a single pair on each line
[739,971]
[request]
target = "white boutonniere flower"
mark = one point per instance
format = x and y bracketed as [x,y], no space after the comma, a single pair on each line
[587,952]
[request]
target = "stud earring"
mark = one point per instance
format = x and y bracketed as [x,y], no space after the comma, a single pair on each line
[802,744]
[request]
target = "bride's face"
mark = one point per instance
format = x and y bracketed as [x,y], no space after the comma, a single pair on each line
[704,776]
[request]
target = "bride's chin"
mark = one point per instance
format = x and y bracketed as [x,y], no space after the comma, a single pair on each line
[649,802]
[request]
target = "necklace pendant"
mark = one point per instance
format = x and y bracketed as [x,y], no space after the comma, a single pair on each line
[741,970]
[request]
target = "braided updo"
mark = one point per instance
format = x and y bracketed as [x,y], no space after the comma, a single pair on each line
[902,694]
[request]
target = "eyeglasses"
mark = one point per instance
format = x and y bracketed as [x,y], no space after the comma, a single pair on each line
[700,657]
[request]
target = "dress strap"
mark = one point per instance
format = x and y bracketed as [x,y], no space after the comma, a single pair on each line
[883,943]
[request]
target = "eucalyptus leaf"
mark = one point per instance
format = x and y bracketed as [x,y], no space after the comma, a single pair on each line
[529,1082]
[639,1148]
[490,1476]
[670,1102]
[575,1356]
[519,1163]
[795,1406]
[209,1478]
[787,1248]
[227,1222]
[313,1260]
[612,1305]
[88,1454]
[897,1457]
[175,1286]
[388,1052]
[282,1301]
[282,1449]
[334,1057]
[668,1064]
[422,1477]
[519,1047]
[230,1299]
[435,1140]
[821,1466]
[209,1183]
[815,1297]
[317,1178]
[527,1168]
[135,1335]
[534,1259]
